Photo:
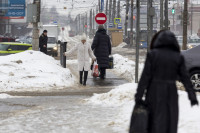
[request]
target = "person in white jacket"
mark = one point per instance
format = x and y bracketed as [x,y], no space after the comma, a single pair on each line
[84,53]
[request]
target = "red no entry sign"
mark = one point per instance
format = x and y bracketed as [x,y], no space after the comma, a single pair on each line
[101,18]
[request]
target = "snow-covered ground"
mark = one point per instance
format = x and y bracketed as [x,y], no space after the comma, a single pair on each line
[123,98]
[32,71]
[125,67]
[5,96]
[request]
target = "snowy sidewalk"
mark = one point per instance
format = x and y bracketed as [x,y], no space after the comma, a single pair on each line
[122,97]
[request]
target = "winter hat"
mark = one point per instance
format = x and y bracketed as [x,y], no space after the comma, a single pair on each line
[83,37]
[45,31]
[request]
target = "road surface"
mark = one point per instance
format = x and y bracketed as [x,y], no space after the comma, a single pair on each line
[63,111]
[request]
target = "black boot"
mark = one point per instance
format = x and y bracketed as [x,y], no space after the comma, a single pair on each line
[81,77]
[102,73]
[85,77]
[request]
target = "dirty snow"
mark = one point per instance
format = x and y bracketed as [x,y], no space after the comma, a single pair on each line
[123,97]
[121,45]
[125,67]
[32,71]
[4,96]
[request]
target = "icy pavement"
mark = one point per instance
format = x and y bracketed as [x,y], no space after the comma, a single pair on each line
[122,97]
[65,114]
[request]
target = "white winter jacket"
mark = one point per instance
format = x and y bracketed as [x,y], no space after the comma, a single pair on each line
[83,55]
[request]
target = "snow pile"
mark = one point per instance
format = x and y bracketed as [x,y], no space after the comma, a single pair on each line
[123,97]
[31,71]
[117,96]
[4,96]
[189,119]
[122,45]
[125,67]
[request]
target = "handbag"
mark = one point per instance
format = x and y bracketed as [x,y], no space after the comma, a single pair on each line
[95,70]
[91,66]
[111,64]
[139,119]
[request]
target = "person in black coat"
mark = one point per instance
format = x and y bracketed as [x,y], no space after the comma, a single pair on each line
[43,42]
[102,49]
[164,65]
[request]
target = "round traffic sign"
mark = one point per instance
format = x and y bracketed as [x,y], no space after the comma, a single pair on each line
[101,18]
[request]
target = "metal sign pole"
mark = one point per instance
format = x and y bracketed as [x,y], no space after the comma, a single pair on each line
[102,5]
[61,54]
[64,57]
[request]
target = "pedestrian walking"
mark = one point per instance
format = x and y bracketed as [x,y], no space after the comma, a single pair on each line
[102,49]
[164,65]
[43,42]
[84,53]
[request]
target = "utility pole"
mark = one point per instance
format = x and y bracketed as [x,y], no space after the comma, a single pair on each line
[114,10]
[110,11]
[35,36]
[185,16]
[99,5]
[96,25]
[161,14]
[131,35]
[173,22]
[106,13]
[166,15]
[118,9]
[126,18]
[106,7]
[151,13]
[93,30]
[79,23]
[191,16]
[72,4]
[86,23]
[83,23]
[137,41]
[90,22]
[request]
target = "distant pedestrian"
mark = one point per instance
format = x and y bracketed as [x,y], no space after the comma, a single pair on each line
[84,54]
[43,42]
[102,49]
[164,63]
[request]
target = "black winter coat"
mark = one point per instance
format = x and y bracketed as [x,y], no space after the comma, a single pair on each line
[43,41]
[162,67]
[102,48]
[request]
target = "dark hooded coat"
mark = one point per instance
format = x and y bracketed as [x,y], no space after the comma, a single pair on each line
[164,64]
[102,48]
[43,41]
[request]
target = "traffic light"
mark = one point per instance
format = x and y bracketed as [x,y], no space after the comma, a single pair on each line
[173,11]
